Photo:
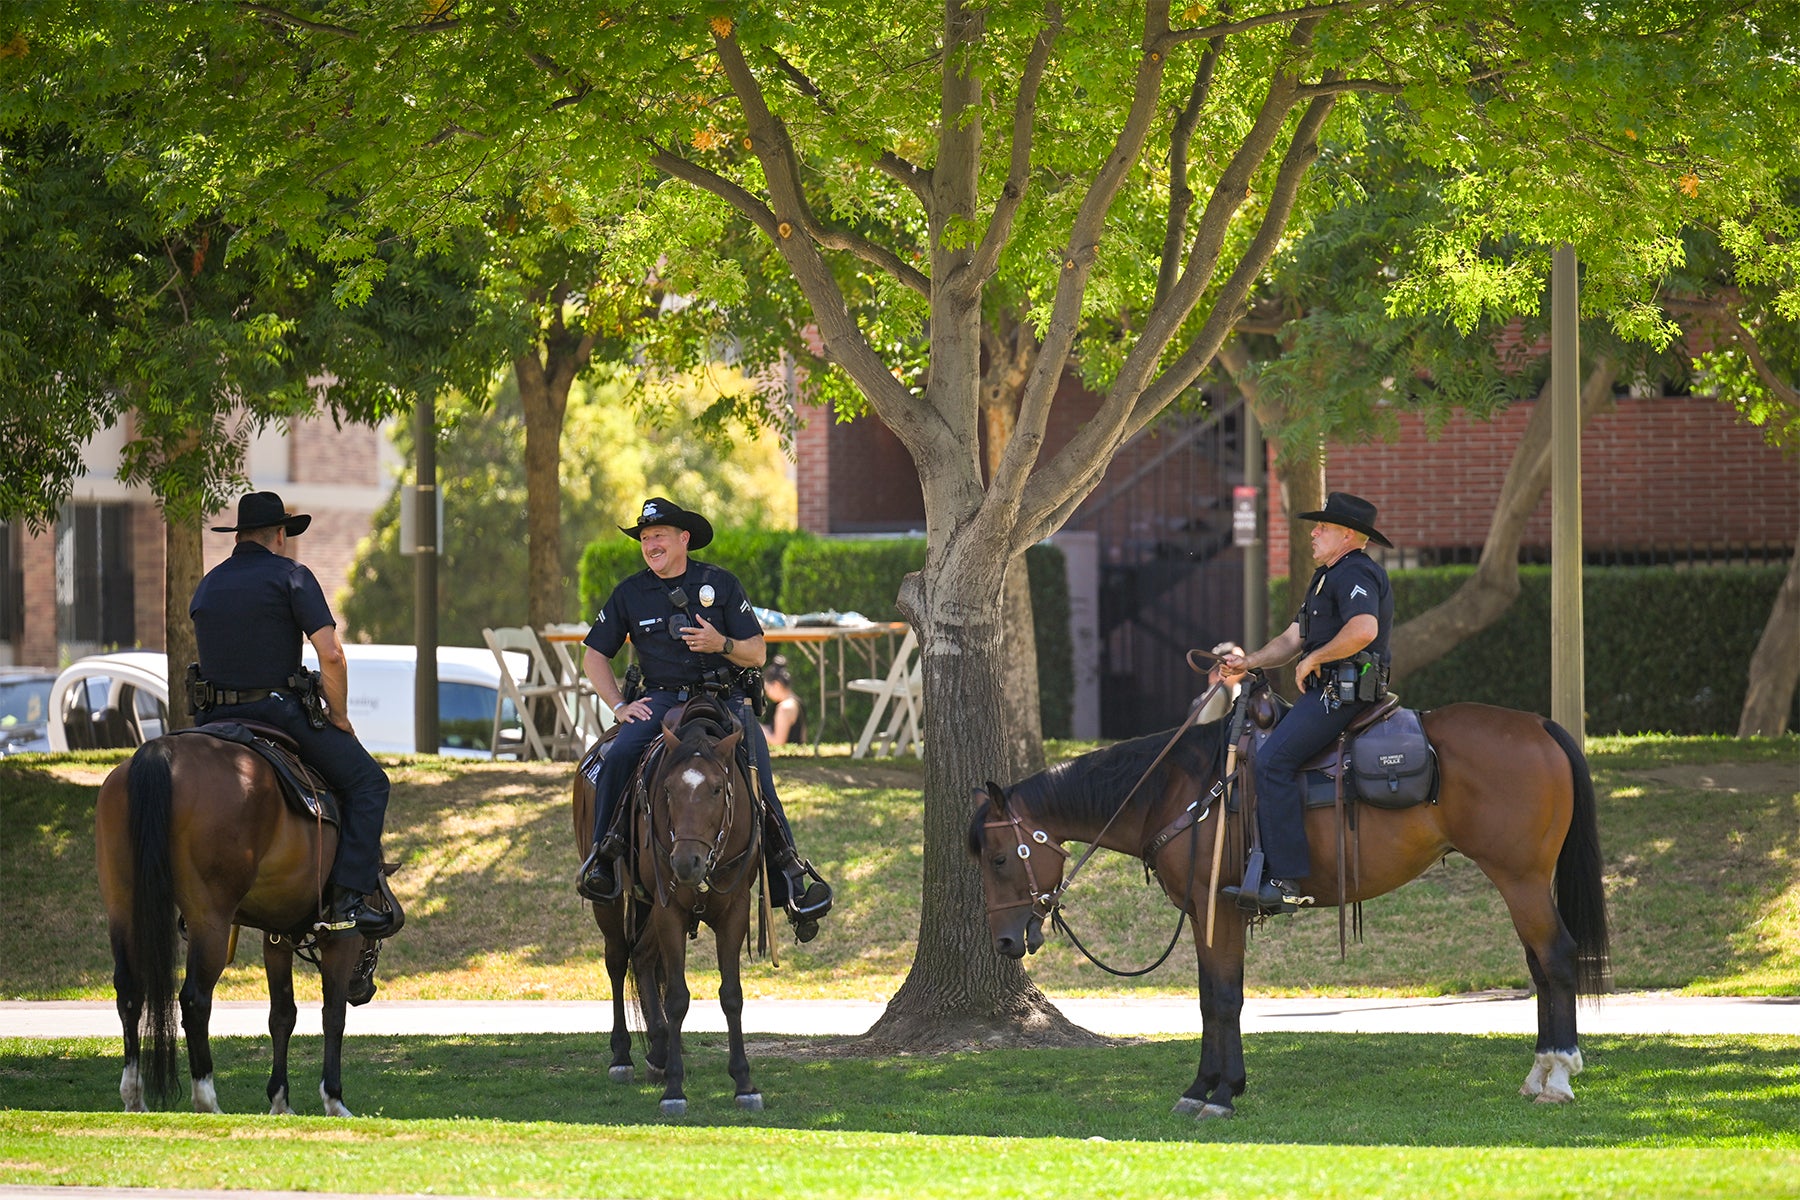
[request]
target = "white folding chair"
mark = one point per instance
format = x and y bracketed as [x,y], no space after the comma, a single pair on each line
[588,713]
[529,695]
[902,689]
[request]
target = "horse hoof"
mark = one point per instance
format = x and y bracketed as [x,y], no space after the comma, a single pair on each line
[620,1073]
[1551,1096]
[1187,1106]
[1215,1112]
[674,1108]
[654,1074]
[334,1105]
[279,1106]
[750,1102]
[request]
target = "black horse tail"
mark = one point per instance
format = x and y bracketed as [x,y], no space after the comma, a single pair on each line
[149,788]
[1580,891]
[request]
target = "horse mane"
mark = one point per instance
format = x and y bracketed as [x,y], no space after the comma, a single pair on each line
[1092,787]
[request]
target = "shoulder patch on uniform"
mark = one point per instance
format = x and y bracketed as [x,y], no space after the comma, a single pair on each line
[1358,590]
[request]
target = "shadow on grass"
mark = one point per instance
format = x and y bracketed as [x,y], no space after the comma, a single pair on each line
[1342,1089]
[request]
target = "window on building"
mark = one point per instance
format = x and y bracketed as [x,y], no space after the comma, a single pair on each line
[95,599]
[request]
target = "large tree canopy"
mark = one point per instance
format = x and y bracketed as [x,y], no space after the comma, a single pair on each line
[1122,175]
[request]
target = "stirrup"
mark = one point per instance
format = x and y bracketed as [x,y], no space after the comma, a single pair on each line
[590,881]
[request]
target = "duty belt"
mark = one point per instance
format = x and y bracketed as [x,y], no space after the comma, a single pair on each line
[240,696]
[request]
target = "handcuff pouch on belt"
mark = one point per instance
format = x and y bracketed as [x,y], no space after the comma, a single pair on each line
[633,687]
[199,691]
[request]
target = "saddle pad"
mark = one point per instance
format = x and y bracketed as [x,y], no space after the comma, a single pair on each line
[304,793]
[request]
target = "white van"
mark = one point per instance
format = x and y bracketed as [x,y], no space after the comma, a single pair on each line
[108,701]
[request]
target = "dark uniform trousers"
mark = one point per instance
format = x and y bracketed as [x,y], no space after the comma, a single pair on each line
[628,746]
[360,783]
[1307,729]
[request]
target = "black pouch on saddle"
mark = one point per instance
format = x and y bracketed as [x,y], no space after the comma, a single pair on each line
[1391,763]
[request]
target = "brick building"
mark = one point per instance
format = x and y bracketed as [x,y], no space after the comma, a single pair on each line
[95,580]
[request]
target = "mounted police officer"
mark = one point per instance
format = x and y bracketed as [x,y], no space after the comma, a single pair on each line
[1341,636]
[249,615]
[689,622]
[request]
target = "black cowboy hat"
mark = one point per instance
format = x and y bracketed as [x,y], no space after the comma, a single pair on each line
[658,511]
[1352,512]
[259,510]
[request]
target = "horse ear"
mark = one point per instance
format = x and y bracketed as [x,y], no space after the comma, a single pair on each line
[729,744]
[671,721]
[996,796]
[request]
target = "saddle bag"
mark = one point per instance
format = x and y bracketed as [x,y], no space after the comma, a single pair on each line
[1391,763]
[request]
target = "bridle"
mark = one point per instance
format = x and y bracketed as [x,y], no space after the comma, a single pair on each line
[1042,903]
[664,857]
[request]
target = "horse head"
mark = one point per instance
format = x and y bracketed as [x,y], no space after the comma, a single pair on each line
[1021,872]
[700,785]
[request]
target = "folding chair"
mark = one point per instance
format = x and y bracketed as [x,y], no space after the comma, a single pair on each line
[529,695]
[587,712]
[904,689]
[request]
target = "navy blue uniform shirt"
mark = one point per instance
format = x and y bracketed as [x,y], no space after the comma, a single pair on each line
[639,610]
[1353,584]
[250,613]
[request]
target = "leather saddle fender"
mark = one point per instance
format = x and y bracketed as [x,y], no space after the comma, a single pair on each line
[301,787]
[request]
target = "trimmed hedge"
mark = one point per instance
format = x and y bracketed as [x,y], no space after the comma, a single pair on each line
[797,572]
[1668,649]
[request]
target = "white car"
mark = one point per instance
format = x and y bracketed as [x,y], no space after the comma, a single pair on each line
[108,701]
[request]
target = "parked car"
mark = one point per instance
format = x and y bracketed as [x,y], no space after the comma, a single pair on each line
[25,708]
[107,701]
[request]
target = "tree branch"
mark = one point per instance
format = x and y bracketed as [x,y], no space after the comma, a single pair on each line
[987,256]
[909,175]
[1280,17]
[1310,90]
[843,337]
[282,16]
[1721,310]
[1181,196]
[1080,253]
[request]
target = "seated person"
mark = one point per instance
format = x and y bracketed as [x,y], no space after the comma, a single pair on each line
[787,720]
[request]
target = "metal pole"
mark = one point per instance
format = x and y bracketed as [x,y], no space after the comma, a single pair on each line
[1256,554]
[425,572]
[1568,688]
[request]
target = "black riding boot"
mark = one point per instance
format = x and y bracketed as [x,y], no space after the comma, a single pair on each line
[806,902]
[599,878]
[348,910]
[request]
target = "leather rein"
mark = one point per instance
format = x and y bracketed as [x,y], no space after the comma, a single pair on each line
[1046,905]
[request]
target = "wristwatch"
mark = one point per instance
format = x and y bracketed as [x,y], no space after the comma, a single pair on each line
[727,649]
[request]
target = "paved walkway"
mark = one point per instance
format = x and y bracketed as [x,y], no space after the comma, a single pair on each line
[1482,1012]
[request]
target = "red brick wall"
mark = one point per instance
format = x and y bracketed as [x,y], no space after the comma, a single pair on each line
[812,467]
[1662,472]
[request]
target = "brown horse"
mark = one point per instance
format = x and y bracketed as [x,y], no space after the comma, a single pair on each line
[195,827]
[698,842]
[1514,796]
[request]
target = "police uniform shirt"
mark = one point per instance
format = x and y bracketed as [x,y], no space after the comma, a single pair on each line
[250,613]
[1353,584]
[639,610]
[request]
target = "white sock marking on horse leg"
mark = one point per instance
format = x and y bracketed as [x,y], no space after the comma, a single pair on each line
[333,1108]
[206,1096]
[279,1106]
[1557,1090]
[1534,1082]
[131,1089]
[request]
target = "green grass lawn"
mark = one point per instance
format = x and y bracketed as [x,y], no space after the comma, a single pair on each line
[1339,1115]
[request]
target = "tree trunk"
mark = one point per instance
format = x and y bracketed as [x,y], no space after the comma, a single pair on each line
[1010,353]
[960,993]
[1302,471]
[1486,595]
[1775,667]
[544,394]
[184,561]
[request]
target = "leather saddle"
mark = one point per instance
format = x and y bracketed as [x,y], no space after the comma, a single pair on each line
[1383,758]
[305,792]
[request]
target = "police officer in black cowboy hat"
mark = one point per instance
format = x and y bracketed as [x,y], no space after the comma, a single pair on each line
[249,615]
[1341,636]
[686,620]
